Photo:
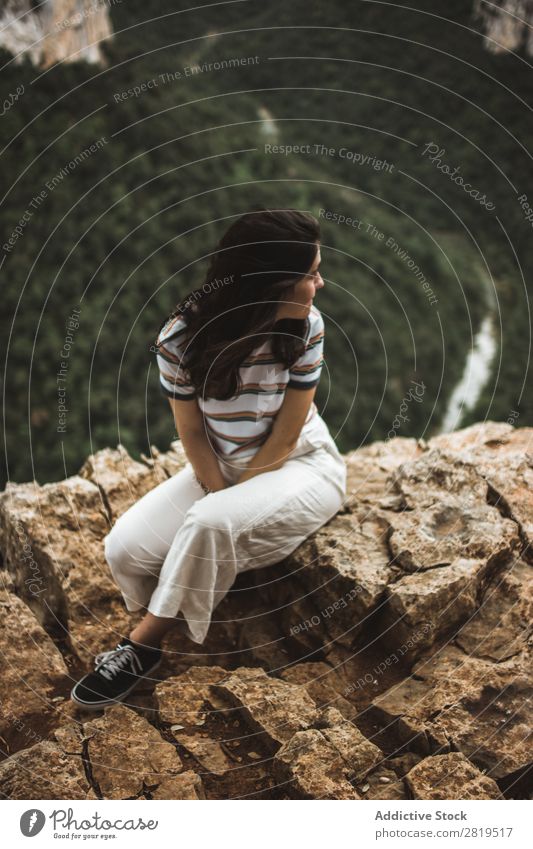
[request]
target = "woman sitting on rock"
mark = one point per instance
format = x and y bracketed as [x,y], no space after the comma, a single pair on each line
[239,359]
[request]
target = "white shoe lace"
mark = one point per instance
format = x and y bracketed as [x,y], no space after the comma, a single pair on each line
[116,660]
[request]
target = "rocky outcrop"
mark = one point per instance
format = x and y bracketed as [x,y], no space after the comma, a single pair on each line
[389,657]
[55,30]
[29,693]
[450,777]
[44,529]
[506,24]
[129,758]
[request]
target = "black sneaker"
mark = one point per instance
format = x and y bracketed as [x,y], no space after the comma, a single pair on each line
[116,673]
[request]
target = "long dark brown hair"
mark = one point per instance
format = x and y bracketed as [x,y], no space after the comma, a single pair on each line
[261,255]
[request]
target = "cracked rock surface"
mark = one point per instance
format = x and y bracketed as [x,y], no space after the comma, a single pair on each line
[444,776]
[389,657]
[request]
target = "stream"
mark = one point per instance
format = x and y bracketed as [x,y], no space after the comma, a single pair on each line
[476,375]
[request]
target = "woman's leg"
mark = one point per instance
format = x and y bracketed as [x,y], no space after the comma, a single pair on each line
[135,549]
[151,630]
[139,541]
[256,523]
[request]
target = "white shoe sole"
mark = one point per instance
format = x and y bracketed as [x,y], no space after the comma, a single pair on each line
[106,702]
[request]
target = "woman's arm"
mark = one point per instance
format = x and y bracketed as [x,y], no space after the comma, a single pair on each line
[191,430]
[284,435]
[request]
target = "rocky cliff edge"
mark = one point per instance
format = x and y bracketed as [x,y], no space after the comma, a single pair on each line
[389,657]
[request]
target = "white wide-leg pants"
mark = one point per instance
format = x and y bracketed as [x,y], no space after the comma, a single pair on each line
[179,550]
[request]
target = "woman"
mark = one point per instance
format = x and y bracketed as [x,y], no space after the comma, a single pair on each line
[239,359]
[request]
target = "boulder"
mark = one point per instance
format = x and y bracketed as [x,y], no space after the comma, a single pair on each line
[324,685]
[439,534]
[44,771]
[368,469]
[408,613]
[63,31]
[484,438]
[345,569]
[273,709]
[53,548]
[324,762]
[472,705]
[129,758]
[428,605]
[34,674]
[511,491]
[53,545]
[185,699]
[167,463]
[450,776]
[311,768]
[262,642]
[122,480]
[209,754]
[501,626]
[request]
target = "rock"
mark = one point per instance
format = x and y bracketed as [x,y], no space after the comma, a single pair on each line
[501,626]
[345,568]
[185,699]
[408,612]
[475,706]
[70,738]
[286,618]
[450,776]
[402,764]
[424,481]
[394,791]
[502,456]
[186,785]
[42,528]
[368,469]
[121,479]
[274,709]
[183,785]
[302,620]
[324,685]
[312,768]
[166,464]
[452,529]
[422,563]
[511,492]
[69,587]
[207,728]
[428,605]
[128,756]
[480,437]
[449,541]
[368,670]
[506,26]
[383,783]
[262,642]
[56,31]
[208,753]
[324,762]
[34,672]
[44,771]
[358,753]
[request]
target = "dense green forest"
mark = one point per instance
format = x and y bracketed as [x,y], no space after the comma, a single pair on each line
[121,179]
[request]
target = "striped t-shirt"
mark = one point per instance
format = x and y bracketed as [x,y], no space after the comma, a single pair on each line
[239,425]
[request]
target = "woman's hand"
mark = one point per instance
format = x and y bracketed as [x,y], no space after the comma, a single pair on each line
[284,435]
[192,432]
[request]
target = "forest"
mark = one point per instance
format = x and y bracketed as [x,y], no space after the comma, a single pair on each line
[393,125]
